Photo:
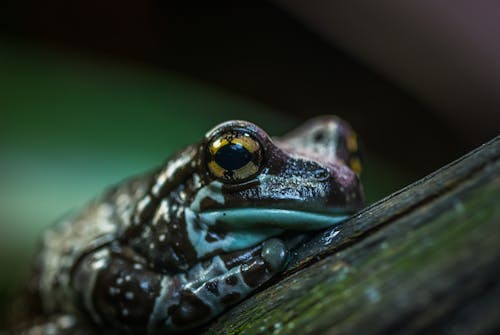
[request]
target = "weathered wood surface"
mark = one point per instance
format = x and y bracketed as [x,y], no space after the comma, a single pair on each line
[425,259]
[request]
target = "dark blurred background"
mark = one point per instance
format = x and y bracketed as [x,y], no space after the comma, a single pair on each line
[93,91]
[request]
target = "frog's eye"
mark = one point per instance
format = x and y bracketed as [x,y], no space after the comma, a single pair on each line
[234,156]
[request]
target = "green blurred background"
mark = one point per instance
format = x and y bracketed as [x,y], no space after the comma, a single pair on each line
[91,94]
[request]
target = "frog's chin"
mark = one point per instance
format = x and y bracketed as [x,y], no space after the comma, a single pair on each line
[286,219]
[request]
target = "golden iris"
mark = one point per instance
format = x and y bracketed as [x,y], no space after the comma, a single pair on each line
[234,156]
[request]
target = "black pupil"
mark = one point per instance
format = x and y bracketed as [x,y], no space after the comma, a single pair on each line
[232,156]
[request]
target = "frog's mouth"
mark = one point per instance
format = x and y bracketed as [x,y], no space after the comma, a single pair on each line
[287,219]
[236,228]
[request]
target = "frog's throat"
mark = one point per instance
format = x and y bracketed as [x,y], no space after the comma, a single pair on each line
[286,219]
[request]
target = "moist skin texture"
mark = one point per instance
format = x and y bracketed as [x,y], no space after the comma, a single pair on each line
[170,250]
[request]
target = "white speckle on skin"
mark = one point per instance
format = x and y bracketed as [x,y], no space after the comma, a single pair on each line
[196,181]
[113,290]
[98,264]
[137,266]
[119,280]
[143,203]
[128,278]
[162,211]
[129,295]
[161,238]
[125,312]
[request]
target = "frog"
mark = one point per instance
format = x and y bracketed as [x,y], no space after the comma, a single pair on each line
[170,250]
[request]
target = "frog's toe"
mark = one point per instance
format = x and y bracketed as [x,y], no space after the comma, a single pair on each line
[275,254]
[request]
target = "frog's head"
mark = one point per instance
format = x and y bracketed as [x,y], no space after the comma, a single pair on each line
[255,186]
[238,187]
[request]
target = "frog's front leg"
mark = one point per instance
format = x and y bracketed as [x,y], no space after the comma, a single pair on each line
[226,280]
[118,291]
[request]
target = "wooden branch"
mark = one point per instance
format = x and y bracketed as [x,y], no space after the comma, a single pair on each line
[425,259]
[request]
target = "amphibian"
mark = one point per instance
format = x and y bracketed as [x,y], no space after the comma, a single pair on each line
[170,250]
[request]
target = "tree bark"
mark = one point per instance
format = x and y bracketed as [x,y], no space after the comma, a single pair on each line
[425,259]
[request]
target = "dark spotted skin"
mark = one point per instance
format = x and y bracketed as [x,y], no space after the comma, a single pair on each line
[157,254]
